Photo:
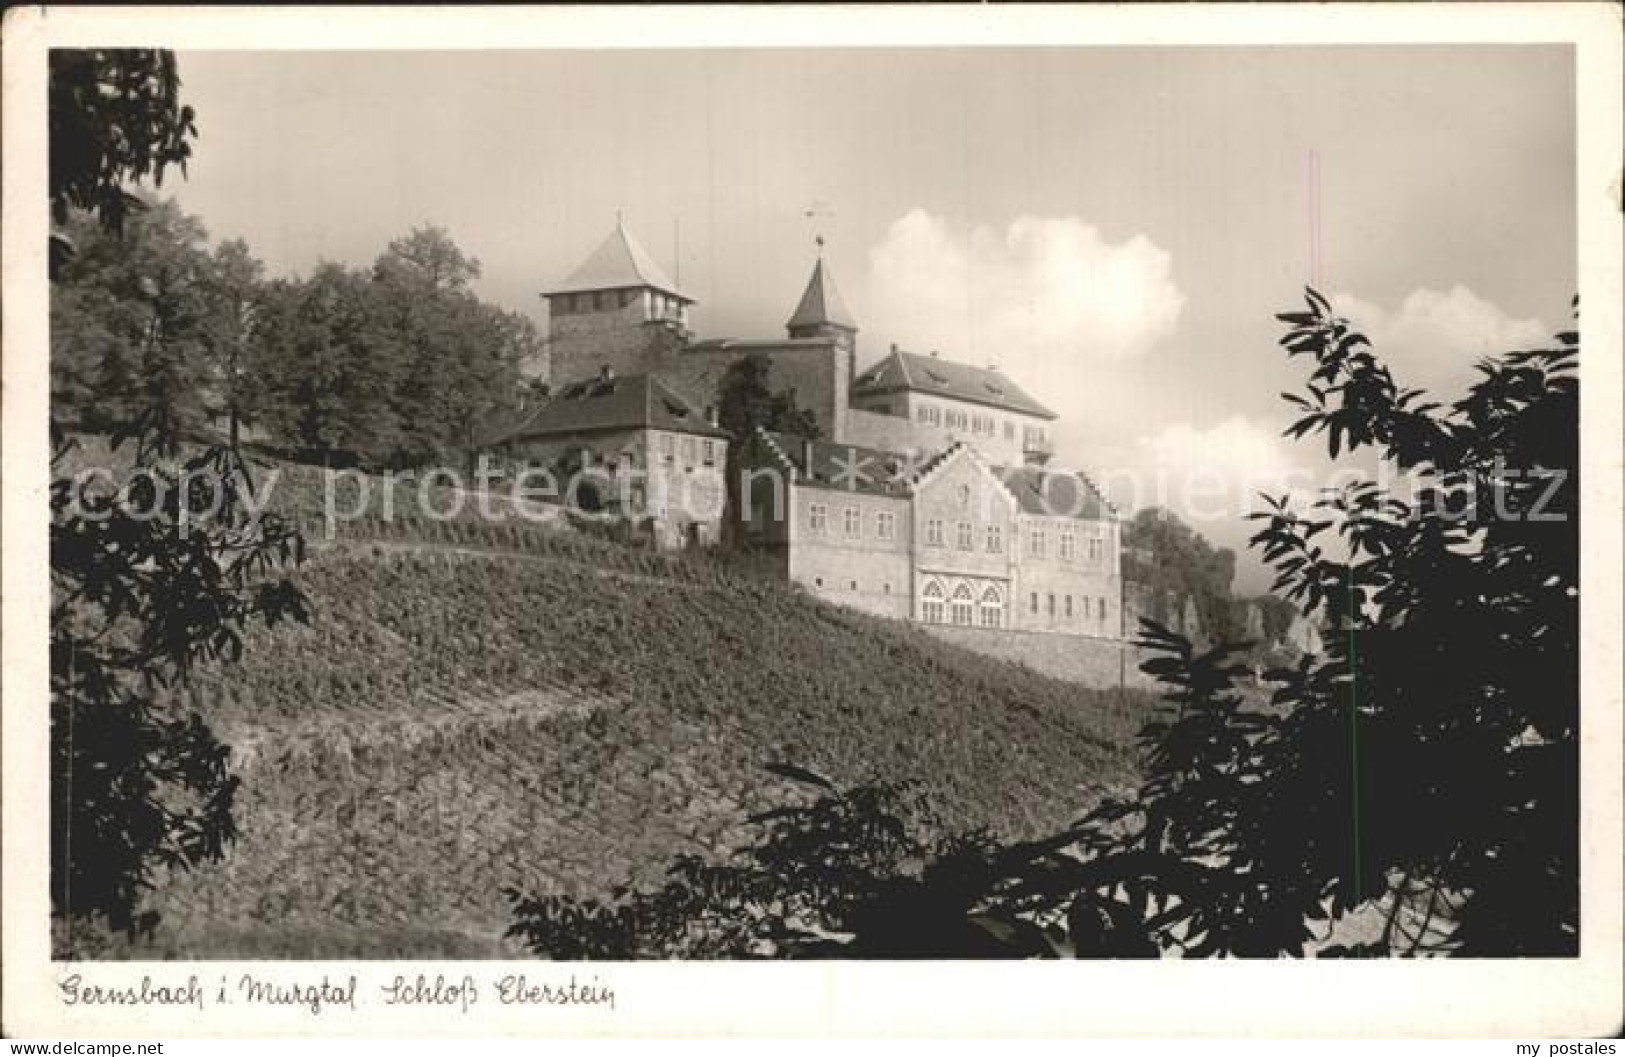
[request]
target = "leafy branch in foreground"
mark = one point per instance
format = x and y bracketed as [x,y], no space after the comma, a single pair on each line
[154,570]
[148,582]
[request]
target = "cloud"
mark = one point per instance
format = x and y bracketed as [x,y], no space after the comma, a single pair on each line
[1213,472]
[1433,339]
[1042,298]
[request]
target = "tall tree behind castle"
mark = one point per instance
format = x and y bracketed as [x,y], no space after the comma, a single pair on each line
[392,365]
[1175,563]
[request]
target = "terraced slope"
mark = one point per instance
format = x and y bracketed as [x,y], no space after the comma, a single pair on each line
[477,706]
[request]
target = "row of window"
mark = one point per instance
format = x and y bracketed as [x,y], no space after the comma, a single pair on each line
[851,521]
[963,607]
[954,418]
[595,301]
[993,540]
[610,300]
[667,447]
[1067,608]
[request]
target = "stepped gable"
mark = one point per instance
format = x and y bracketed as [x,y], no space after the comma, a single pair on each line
[1055,493]
[901,371]
[843,467]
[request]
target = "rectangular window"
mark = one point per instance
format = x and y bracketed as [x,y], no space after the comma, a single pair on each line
[1009,430]
[852,521]
[1069,546]
[1069,607]
[1103,611]
[990,616]
[931,416]
[924,414]
[933,533]
[995,539]
[688,451]
[818,517]
[1052,604]
[931,611]
[1035,601]
[885,525]
[1094,550]
[664,444]
[1035,543]
[710,453]
[965,538]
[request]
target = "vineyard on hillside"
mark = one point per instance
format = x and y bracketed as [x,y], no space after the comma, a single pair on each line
[478,705]
[450,724]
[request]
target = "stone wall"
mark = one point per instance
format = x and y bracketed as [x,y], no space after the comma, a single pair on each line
[819,371]
[871,429]
[623,339]
[862,571]
[1080,595]
[1095,662]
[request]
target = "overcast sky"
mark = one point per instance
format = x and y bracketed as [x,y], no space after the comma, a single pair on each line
[1114,228]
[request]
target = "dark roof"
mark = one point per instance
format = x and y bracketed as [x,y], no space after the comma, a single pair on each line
[634,401]
[821,303]
[875,471]
[619,263]
[746,344]
[1055,493]
[906,371]
[846,467]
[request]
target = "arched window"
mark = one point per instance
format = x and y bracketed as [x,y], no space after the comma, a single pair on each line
[964,610]
[992,608]
[931,603]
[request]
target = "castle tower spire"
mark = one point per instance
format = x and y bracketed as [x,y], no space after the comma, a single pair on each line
[821,312]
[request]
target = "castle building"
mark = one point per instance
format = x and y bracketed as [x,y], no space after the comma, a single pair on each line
[947,402]
[624,447]
[930,495]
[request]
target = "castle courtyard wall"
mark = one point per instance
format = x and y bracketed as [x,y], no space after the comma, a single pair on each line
[818,370]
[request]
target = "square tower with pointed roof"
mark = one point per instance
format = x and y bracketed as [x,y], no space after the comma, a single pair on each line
[618,310]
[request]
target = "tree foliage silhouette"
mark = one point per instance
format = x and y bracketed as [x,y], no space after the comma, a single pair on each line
[115,118]
[1422,771]
[746,403]
[156,566]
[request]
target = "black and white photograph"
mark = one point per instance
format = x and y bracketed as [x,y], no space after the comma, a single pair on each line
[657,500]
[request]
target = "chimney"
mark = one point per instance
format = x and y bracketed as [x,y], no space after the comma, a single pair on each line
[606,373]
[711,415]
[933,354]
[992,368]
[894,348]
[806,455]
